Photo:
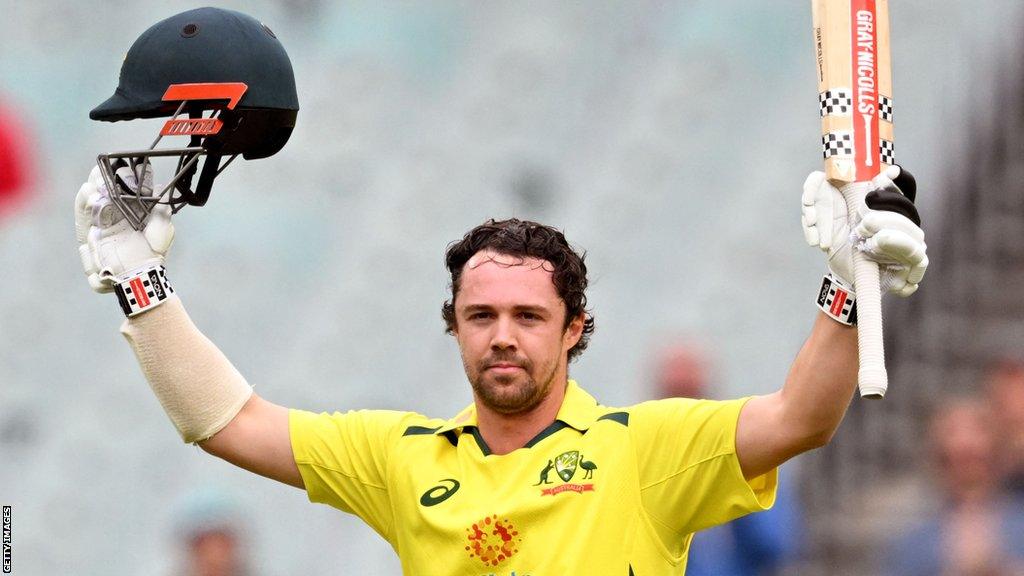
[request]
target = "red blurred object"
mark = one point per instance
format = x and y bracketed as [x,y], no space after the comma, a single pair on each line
[16,176]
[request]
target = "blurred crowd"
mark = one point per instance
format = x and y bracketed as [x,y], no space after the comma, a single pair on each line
[16,163]
[973,524]
[212,533]
[975,449]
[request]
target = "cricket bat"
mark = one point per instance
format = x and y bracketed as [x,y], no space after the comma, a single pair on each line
[855,96]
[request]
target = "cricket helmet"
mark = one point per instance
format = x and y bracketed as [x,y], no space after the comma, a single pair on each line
[228,74]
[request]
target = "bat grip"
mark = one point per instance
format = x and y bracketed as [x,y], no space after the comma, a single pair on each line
[872,378]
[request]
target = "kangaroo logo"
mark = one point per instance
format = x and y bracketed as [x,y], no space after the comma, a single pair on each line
[544,474]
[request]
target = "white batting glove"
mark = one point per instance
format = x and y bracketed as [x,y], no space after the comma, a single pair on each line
[885,231]
[112,251]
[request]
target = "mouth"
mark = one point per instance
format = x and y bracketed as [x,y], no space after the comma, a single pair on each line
[504,368]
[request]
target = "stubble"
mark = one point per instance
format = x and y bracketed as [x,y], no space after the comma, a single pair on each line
[510,394]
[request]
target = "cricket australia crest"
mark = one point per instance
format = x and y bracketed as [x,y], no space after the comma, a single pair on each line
[565,464]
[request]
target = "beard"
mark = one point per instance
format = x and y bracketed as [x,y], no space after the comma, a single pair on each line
[509,394]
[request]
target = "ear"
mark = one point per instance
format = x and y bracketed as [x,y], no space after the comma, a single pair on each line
[574,331]
[448,311]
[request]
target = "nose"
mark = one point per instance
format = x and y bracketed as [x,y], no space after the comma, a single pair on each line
[504,337]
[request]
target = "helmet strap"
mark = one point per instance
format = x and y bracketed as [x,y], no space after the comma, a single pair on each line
[210,171]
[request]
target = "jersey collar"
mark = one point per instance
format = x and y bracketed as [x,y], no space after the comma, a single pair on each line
[579,410]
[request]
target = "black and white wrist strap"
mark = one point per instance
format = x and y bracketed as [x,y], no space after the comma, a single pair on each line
[838,301]
[143,290]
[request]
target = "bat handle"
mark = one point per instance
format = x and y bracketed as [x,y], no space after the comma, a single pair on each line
[872,378]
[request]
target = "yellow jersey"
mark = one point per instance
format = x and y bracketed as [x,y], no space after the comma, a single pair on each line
[602,490]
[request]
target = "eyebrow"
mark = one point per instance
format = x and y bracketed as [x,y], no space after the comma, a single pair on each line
[537,309]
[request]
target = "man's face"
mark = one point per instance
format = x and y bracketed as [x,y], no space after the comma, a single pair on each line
[682,373]
[509,324]
[215,553]
[1006,393]
[964,444]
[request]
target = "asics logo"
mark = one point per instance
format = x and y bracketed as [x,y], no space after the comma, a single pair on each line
[443,491]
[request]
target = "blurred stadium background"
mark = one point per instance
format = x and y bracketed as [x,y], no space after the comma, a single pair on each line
[668,139]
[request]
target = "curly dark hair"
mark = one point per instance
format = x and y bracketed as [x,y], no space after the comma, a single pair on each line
[527,239]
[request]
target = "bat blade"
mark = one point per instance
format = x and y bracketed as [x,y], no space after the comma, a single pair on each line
[856,106]
[854,87]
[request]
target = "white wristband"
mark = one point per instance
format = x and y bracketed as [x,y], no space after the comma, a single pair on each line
[142,290]
[837,300]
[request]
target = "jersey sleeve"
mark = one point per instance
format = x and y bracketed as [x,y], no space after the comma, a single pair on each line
[690,476]
[343,460]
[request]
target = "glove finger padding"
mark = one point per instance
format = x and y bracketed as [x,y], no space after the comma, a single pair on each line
[87,196]
[96,177]
[894,247]
[873,221]
[889,186]
[894,281]
[104,213]
[159,230]
[817,211]
[108,245]
[83,212]
[811,235]
[890,199]
[897,244]
[903,180]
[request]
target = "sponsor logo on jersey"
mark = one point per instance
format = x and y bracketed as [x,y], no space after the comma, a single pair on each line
[492,540]
[565,465]
[444,490]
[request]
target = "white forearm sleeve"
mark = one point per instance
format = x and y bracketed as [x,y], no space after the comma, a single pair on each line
[196,384]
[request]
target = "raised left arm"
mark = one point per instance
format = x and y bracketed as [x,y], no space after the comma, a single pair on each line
[806,412]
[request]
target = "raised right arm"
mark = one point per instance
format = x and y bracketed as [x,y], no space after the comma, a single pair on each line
[206,398]
[257,440]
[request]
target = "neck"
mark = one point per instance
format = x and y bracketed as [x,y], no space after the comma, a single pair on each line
[504,433]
